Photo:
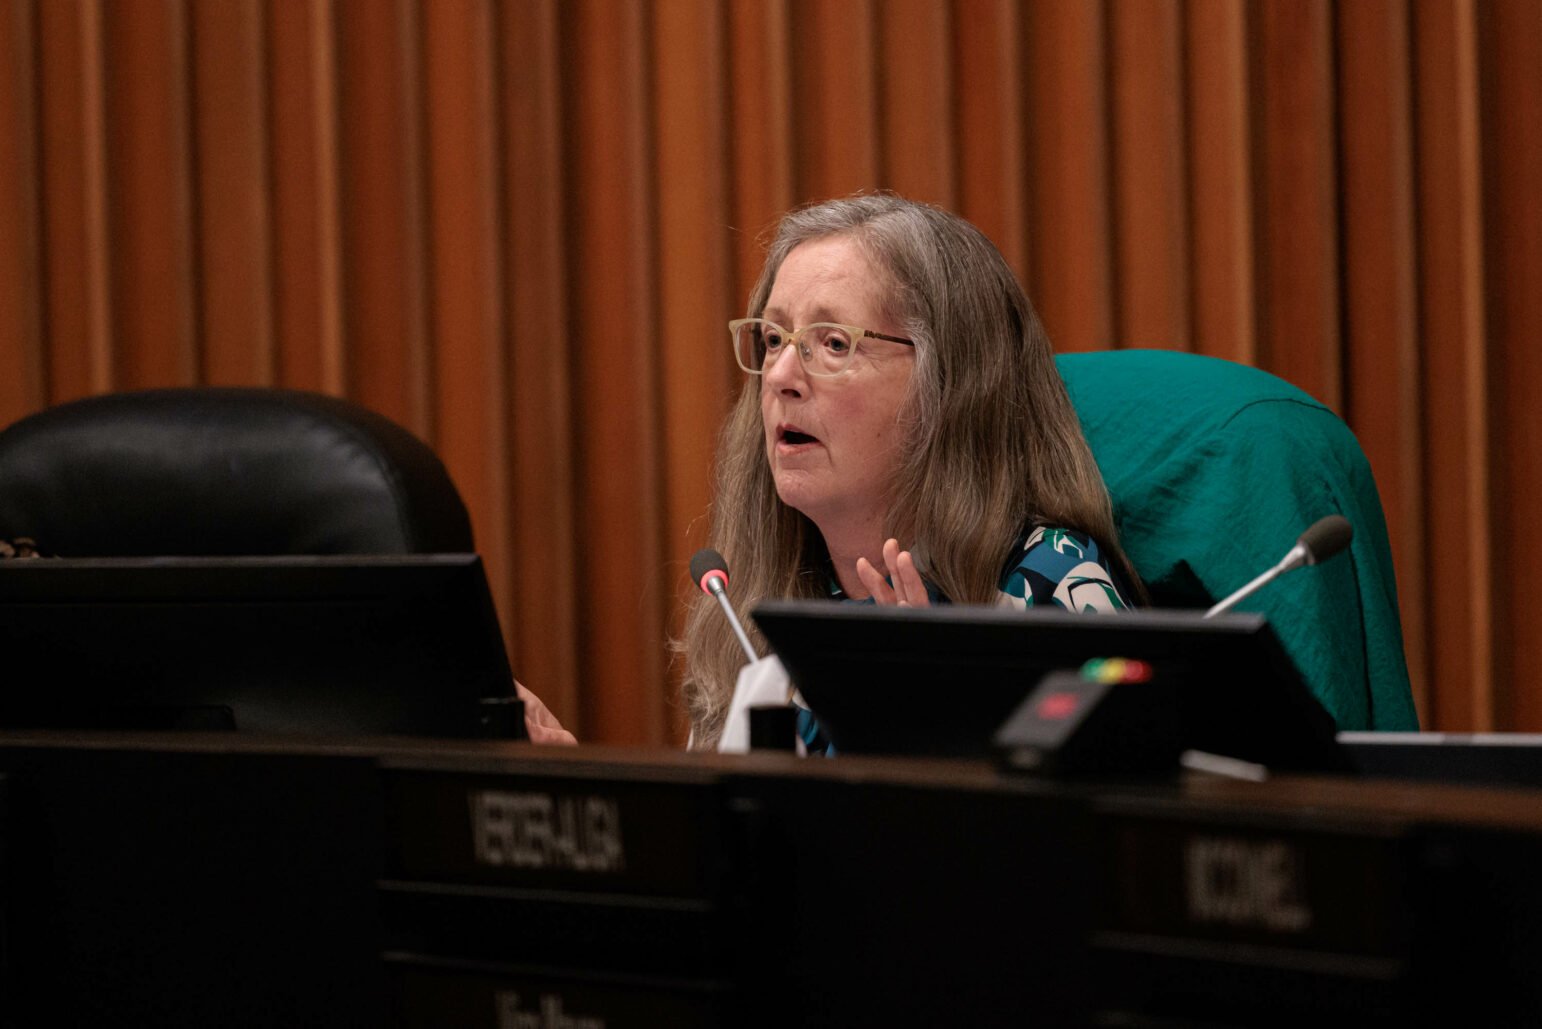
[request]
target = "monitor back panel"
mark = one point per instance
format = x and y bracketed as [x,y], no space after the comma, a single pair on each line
[309,645]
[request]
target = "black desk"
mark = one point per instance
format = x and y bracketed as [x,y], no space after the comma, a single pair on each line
[224,880]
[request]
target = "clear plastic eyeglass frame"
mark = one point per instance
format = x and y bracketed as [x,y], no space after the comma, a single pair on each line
[828,362]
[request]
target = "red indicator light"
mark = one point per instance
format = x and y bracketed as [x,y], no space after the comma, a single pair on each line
[1058,705]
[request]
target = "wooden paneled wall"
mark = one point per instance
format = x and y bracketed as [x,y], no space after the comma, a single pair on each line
[518,228]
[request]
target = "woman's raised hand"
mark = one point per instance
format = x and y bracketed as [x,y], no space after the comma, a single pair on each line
[904,587]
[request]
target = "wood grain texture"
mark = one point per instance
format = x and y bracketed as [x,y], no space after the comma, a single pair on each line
[1297,240]
[77,306]
[1511,40]
[760,112]
[150,192]
[380,184]
[545,642]
[916,100]
[1458,594]
[1071,257]
[616,373]
[231,172]
[835,117]
[1150,194]
[695,278]
[988,90]
[21,316]
[696,291]
[1220,180]
[306,234]
[465,276]
[1382,393]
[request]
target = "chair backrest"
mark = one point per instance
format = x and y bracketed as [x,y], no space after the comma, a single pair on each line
[224,472]
[1215,468]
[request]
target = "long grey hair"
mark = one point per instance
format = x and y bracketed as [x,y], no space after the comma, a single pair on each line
[991,443]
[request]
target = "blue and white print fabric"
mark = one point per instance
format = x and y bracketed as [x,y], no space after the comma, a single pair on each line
[1061,568]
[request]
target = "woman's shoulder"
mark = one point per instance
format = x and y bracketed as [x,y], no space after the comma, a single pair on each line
[1053,566]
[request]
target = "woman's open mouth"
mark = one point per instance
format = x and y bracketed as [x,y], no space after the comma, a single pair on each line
[792,436]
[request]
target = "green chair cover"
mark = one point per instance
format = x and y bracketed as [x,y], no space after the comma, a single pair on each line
[1215,468]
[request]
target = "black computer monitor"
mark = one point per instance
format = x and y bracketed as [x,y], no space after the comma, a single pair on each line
[307,645]
[942,680]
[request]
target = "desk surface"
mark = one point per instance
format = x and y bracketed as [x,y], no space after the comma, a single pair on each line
[202,879]
[1325,797]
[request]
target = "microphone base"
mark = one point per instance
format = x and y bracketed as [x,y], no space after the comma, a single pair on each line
[774,727]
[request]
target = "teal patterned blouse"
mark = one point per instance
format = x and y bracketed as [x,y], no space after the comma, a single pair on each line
[1061,568]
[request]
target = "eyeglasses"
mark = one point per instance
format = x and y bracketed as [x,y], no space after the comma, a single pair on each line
[824,347]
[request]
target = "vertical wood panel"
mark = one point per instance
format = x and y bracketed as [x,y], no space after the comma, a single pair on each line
[77,314]
[1297,257]
[695,276]
[1458,592]
[1382,397]
[761,136]
[540,430]
[21,328]
[1512,86]
[1070,246]
[619,514]
[464,267]
[1220,180]
[150,213]
[229,56]
[917,104]
[695,280]
[381,186]
[992,177]
[835,98]
[307,250]
[1151,256]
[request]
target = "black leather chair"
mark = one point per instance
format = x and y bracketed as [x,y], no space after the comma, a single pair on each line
[211,472]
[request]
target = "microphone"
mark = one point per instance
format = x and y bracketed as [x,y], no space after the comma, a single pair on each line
[1325,538]
[710,572]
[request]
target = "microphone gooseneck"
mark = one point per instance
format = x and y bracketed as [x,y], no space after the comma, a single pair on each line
[710,572]
[1322,540]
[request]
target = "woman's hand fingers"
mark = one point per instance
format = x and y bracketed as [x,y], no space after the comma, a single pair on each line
[907,580]
[548,734]
[873,580]
[540,724]
[891,553]
[903,587]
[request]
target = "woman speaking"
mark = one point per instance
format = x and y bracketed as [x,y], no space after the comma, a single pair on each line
[902,436]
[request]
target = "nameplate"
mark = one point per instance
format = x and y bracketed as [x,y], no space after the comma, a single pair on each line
[601,835]
[1240,883]
[427,995]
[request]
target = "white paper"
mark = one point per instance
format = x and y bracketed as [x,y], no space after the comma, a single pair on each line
[764,682]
